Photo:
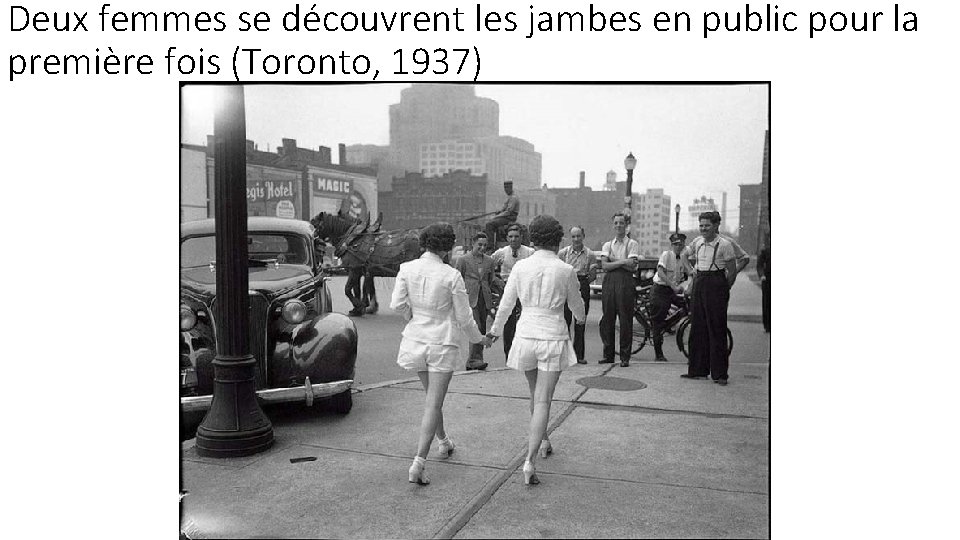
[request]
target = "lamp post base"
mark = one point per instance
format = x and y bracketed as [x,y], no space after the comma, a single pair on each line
[235,425]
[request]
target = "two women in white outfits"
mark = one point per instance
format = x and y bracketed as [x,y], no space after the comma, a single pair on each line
[432,295]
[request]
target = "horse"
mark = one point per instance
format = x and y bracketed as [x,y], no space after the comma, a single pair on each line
[367,253]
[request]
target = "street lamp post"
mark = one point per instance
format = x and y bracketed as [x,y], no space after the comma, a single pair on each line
[235,425]
[629,163]
[677,210]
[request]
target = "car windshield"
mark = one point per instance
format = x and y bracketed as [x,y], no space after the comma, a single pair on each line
[284,248]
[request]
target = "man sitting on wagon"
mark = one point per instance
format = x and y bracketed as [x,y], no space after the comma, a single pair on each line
[505,217]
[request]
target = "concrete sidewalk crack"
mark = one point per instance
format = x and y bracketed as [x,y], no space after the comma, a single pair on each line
[645,482]
[640,409]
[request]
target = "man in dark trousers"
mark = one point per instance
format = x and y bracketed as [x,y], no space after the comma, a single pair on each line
[666,285]
[507,215]
[714,263]
[583,260]
[763,269]
[618,258]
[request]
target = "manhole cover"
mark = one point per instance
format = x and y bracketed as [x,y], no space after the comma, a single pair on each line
[611,383]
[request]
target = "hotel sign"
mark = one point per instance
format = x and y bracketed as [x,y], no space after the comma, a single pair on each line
[331,187]
[269,190]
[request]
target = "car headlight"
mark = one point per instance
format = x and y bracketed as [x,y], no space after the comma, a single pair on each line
[188,319]
[294,311]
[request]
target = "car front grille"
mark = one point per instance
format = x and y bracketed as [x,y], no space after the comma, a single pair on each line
[259,318]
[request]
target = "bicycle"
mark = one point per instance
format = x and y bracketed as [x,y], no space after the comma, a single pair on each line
[677,322]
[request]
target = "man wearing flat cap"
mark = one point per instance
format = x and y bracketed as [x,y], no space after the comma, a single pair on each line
[507,215]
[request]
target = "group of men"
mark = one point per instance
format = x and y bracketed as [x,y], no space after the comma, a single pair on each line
[705,270]
[710,262]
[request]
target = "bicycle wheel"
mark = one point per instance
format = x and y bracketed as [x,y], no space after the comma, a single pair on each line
[641,333]
[683,338]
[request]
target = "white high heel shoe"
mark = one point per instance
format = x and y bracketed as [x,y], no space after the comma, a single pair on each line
[529,474]
[417,473]
[445,447]
[545,448]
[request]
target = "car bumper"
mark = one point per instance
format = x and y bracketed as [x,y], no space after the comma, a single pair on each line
[306,393]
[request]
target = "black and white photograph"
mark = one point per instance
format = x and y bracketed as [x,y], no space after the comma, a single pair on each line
[446,310]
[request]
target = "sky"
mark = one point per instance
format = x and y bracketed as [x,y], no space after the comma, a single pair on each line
[689,140]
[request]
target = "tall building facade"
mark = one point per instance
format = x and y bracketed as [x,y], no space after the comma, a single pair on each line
[417,201]
[748,234]
[703,204]
[194,194]
[438,112]
[592,210]
[436,129]
[755,206]
[765,191]
[651,222]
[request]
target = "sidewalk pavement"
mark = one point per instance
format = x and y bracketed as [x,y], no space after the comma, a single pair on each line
[638,453]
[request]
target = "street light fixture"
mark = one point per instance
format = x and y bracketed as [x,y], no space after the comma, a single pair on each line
[629,163]
[677,210]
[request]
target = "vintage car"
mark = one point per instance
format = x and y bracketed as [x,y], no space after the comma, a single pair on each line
[646,268]
[303,351]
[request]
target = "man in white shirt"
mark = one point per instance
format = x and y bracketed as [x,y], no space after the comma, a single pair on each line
[618,258]
[584,261]
[506,257]
[714,262]
[666,284]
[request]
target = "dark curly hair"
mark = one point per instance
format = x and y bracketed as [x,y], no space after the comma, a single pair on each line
[713,216]
[545,231]
[438,236]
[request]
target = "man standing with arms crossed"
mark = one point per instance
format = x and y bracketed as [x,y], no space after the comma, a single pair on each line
[476,268]
[506,257]
[714,262]
[618,258]
[583,260]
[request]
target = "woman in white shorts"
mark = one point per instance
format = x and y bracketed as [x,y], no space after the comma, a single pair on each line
[542,347]
[432,297]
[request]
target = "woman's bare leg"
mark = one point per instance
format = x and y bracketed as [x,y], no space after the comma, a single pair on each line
[435,384]
[543,384]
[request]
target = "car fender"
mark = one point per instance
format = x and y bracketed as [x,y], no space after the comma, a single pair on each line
[324,349]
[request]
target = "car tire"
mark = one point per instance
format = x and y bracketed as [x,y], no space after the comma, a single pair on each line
[341,403]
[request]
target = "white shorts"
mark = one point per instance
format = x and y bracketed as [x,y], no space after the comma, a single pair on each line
[546,355]
[418,356]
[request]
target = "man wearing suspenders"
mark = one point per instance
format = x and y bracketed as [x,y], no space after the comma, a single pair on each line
[618,258]
[714,262]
